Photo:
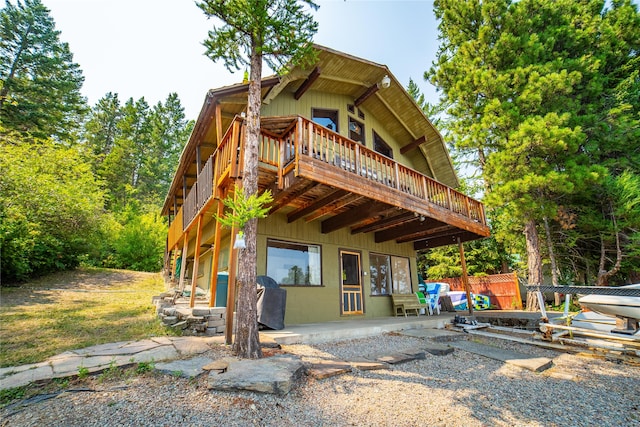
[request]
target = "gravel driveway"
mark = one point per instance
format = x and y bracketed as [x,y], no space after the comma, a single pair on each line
[459,389]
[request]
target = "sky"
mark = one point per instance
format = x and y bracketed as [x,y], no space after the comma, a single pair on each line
[151,48]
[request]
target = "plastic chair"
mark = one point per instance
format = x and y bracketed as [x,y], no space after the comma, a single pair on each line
[422,299]
[433,291]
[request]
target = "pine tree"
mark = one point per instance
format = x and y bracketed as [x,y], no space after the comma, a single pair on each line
[278,32]
[39,82]
[525,82]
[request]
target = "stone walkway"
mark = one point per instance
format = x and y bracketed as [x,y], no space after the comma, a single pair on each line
[98,358]
[183,356]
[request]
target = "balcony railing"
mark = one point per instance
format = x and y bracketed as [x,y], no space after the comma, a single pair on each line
[338,151]
[304,139]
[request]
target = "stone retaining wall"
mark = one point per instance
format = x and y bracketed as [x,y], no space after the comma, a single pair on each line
[193,321]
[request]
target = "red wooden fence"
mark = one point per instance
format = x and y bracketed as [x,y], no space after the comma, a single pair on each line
[502,289]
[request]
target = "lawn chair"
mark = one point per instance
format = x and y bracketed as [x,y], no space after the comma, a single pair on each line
[433,292]
[422,299]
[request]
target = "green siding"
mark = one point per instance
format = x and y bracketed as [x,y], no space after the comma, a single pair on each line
[286,105]
[319,304]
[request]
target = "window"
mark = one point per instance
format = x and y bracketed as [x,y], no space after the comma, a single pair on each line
[294,263]
[356,130]
[381,147]
[326,118]
[389,274]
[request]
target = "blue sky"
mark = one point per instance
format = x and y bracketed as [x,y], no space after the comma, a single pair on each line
[151,48]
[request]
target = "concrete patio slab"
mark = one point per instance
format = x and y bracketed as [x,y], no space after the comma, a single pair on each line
[316,333]
[440,335]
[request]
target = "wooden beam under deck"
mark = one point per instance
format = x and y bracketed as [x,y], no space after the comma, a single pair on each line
[336,206]
[316,205]
[412,237]
[295,187]
[415,226]
[352,216]
[384,223]
[443,240]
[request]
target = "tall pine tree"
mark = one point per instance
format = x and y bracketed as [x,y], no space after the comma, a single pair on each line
[278,32]
[39,82]
[525,82]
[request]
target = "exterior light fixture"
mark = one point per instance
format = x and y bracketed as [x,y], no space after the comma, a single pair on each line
[239,243]
[386,82]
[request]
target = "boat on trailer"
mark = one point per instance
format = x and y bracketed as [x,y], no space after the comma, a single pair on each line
[626,309]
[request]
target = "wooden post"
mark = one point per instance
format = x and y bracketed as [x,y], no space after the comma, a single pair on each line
[231,286]
[465,278]
[231,289]
[196,261]
[174,260]
[213,283]
[518,296]
[183,261]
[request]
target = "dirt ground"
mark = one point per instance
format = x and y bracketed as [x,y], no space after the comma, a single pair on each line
[75,280]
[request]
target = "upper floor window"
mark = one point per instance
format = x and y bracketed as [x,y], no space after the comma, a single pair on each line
[356,130]
[381,147]
[326,118]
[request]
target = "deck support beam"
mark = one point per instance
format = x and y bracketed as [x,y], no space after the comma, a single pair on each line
[196,262]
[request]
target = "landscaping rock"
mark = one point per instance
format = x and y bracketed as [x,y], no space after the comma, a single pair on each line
[395,358]
[189,368]
[438,349]
[275,375]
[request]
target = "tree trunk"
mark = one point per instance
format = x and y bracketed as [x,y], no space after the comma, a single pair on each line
[603,274]
[554,264]
[247,342]
[534,262]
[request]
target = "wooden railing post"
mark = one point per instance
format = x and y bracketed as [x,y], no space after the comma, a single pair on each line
[357,159]
[183,260]
[235,141]
[310,135]
[425,190]
[281,162]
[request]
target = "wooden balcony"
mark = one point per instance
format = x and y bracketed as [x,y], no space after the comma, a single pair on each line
[317,174]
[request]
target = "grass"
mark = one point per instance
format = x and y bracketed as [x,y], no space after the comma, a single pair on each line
[76,309]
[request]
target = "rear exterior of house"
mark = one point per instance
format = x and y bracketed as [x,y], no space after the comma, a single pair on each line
[361,181]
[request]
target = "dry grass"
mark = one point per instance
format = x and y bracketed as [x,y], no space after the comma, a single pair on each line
[76,309]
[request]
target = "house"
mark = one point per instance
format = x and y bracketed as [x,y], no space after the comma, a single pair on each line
[361,181]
